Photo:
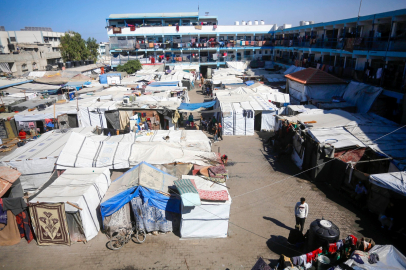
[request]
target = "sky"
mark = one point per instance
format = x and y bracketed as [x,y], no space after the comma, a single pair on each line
[88,17]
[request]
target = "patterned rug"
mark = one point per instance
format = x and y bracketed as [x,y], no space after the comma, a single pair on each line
[188,192]
[49,223]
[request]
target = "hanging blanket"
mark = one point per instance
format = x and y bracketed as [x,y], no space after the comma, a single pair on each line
[119,219]
[24,226]
[3,214]
[9,235]
[209,195]
[149,218]
[188,192]
[217,171]
[49,223]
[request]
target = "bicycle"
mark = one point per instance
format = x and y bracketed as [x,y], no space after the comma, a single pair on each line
[124,235]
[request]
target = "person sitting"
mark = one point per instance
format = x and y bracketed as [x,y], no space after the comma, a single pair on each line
[224,159]
[203,123]
[22,135]
[360,191]
[191,120]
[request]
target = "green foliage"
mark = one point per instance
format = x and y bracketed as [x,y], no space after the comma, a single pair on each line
[92,48]
[75,48]
[130,67]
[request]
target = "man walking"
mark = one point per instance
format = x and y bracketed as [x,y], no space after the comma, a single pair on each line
[301,212]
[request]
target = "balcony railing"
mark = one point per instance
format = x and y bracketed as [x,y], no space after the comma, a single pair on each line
[348,44]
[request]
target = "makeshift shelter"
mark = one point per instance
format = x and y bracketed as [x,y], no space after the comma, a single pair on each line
[110,78]
[9,178]
[147,183]
[82,190]
[389,258]
[36,159]
[313,83]
[210,219]
[82,151]
[8,128]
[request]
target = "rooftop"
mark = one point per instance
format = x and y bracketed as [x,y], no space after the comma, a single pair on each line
[154,15]
[314,76]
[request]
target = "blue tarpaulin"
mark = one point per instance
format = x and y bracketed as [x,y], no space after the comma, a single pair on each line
[195,106]
[103,77]
[150,196]
[249,83]
[164,83]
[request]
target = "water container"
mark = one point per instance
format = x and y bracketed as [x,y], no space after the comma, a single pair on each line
[256,22]
[249,23]
[262,22]
[311,22]
[306,23]
[68,64]
[60,65]
[82,63]
[243,23]
[301,23]
[237,23]
[323,263]
[322,231]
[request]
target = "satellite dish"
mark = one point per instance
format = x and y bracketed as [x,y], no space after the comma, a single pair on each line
[207,13]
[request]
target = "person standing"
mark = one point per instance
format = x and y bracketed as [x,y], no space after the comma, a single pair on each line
[191,120]
[215,130]
[301,212]
[220,131]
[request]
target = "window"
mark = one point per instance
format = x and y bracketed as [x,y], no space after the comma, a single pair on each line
[247,52]
[12,39]
[266,52]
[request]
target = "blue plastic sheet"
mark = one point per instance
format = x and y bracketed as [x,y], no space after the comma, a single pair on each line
[103,77]
[195,106]
[150,196]
[249,83]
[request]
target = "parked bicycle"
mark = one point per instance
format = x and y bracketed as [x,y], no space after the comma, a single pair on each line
[124,235]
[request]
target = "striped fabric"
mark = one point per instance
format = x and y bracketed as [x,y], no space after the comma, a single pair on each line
[188,192]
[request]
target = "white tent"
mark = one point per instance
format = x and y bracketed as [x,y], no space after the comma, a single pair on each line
[210,219]
[36,159]
[249,116]
[227,119]
[82,151]
[85,188]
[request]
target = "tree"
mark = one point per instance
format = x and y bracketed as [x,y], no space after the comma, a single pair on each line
[92,48]
[130,67]
[75,48]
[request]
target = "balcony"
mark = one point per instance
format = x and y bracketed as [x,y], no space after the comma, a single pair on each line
[347,44]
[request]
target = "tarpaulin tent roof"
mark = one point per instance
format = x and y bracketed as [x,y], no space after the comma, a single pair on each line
[293,69]
[195,106]
[337,137]
[82,151]
[36,159]
[83,187]
[122,189]
[394,181]
[314,76]
[7,177]
[389,258]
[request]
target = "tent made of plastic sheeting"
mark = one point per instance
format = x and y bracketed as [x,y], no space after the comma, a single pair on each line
[196,106]
[177,75]
[249,118]
[293,69]
[83,187]
[393,181]
[298,109]
[361,95]
[47,113]
[239,66]
[338,137]
[36,159]
[210,219]
[230,79]
[192,139]
[227,119]
[273,78]
[82,151]
[300,92]
[389,259]
[126,187]
[92,113]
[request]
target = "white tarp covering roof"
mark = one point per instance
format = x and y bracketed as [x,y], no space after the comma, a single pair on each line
[275,77]
[293,69]
[389,259]
[240,66]
[47,113]
[83,187]
[210,219]
[36,159]
[82,151]
[177,75]
[395,181]
[337,137]
[361,95]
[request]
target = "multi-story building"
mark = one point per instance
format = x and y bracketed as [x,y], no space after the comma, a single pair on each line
[30,49]
[184,38]
[104,53]
[347,47]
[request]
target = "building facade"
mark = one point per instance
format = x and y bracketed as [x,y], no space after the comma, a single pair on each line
[29,50]
[348,46]
[104,53]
